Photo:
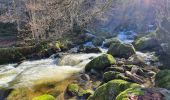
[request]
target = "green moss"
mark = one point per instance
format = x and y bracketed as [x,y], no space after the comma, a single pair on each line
[146,42]
[162,79]
[110,90]
[44,97]
[73,89]
[110,75]
[131,91]
[108,42]
[100,63]
[85,93]
[121,50]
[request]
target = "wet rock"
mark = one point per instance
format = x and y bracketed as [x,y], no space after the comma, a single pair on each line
[84,94]
[162,79]
[131,93]
[110,75]
[100,63]
[121,50]
[117,69]
[108,42]
[110,90]
[72,89]
[89,49]
[4,93]
[144,94]
[44,97]
[148,42]
[98,41]
[85,77]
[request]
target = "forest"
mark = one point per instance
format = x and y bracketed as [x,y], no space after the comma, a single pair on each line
[84,50]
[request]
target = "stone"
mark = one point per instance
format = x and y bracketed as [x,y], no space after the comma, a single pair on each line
[44,97]
[121,50]
[111,89]
[72,89]
[100,63]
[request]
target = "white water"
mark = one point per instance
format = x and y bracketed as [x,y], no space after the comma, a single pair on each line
[126,37]
[30,72]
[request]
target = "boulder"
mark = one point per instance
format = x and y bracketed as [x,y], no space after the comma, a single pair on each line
[110,90]
[108,42]
[98,41]
[144,94]
[121,50]
[72,89]
[84,94]
[162,79]
[130,93]
[44,97]
[89,49]
[110,75]
[148,42]
[100,63]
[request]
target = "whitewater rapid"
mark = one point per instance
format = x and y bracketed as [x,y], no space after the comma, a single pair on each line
[30,72]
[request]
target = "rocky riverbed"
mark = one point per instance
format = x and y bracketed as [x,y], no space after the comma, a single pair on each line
[117,68]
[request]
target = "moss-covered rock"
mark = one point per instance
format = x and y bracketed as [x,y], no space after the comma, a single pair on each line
[89,49]
[98,41]
[162,79]
[85,93]
[44,97]
[110,75]
[148,42]
[108,42]
[130,93]
[110,90]
[73,89]
[11,55]
[100,63]
[117,69]
[121,50]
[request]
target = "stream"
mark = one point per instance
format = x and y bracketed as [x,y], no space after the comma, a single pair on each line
[29,73]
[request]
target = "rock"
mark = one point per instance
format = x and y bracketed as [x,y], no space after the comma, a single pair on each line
[117,69]
[72,89]
[108,42]
[134,77]
[85,37]
[98,41]
[121,50]
[15,54]
[144,94]
[148,42]
[130,93]
[110,90]
[100,63]
[85,77]
[44,97]
[89,49]
[84,94]
[110,75]
[162,79]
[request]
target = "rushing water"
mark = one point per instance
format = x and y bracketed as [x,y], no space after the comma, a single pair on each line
[29,72]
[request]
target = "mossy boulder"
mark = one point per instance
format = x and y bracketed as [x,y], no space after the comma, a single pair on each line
[108,42]
[162,79]
[72,89]
[85,93]
[117,69]
[110,75]
[130,93]
[100,63]
[98,41]
[89,49]
[148,42]
[121,50]
[12,55]
[44,97]
[110,90]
